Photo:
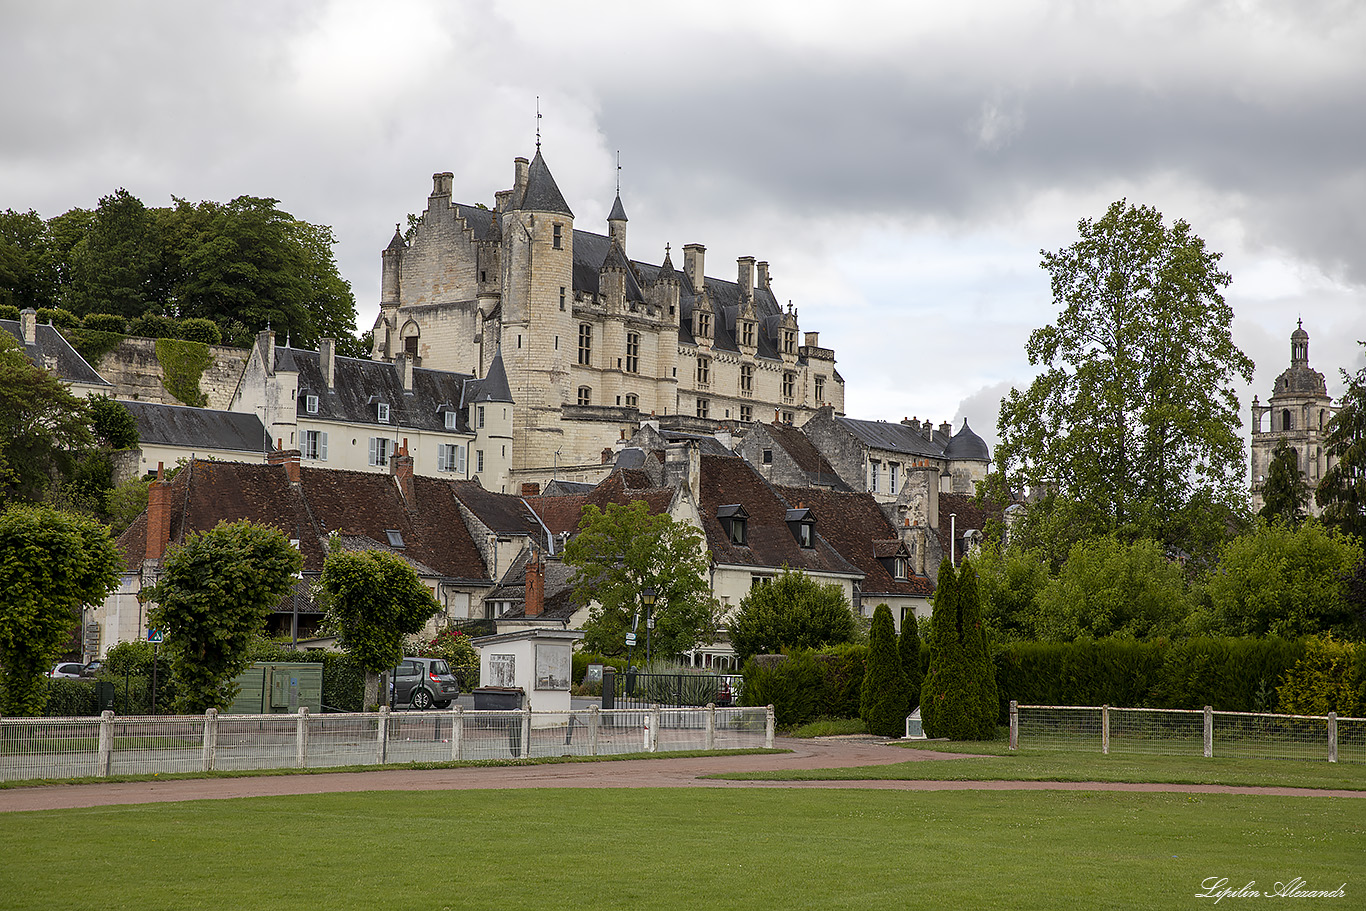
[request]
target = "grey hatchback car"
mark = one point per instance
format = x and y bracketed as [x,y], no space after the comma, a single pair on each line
[425,682]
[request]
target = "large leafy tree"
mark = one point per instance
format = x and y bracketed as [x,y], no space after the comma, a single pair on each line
[374,600]
[119,265]
[1285,495]
[1342,490]
[1134,420]
[42,426]
[623,550]
[791,611]
[1112,588]
[214,595]
[51,564]
[1285,581]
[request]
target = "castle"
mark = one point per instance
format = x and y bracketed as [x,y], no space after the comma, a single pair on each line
[1299,411]
[592,340]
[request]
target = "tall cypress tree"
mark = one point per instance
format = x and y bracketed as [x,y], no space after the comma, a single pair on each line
[883,701]
[908,647]
[942,670]
[981,674]
[958,696]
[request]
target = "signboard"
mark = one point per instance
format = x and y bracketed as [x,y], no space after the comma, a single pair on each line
[630,638]
[154,636]
[502,668]
[594,674]
[553,666]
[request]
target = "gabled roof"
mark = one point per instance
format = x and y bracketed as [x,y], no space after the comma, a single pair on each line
[358,385]
[542,194]
[562,514]
[895,437]
[858,528]
[50,343]
[198,428]
[503,513]
[559,590]
[807,457]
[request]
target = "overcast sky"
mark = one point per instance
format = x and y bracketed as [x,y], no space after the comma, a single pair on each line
[900,165]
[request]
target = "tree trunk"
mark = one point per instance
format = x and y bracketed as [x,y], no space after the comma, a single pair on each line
[371,690]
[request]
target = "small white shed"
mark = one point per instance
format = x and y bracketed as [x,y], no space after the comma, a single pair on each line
[539,661]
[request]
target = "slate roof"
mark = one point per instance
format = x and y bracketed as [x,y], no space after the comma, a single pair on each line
[895,437]
[50,343]
[967,445]
[541,193]
[807,457]
[618,212]
[559,590]
[969,515]
[503,513]
[198,428]
[359,385]
[858,528]
[562,514]
[492,388]
[770,544]
[353,504]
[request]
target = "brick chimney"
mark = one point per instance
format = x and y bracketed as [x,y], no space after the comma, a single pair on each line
[158,515]
[327,360]
[531,489]
[288,458]
[28,325]
[535,585]
[745,277]
[401,467]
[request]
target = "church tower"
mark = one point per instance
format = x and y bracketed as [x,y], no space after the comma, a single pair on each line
[1298,412]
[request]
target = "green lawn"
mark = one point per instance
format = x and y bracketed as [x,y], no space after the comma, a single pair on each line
[1045,765]
[678,849]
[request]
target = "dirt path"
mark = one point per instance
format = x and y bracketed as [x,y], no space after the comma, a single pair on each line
[643,773]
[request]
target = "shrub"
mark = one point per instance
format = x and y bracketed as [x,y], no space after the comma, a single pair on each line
[789,683]
[883,706]
[197,329]
[69,698]
[152,325]
[792,611]
[9,311]
[1331,677]
[62,319]
[581,660]
[105,322]
[842,669]
[908,647]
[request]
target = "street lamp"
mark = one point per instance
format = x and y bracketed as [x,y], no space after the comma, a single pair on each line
[647,597]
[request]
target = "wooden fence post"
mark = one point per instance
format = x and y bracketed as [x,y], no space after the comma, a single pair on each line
[1105,729]
[301,738]
[1209,732]
[457,732]
[382,737]
[105,757]
[1332,736]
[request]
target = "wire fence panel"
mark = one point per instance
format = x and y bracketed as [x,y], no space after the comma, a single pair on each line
[1060,727]
[1175,732]
[151,744]
[255,742]
[49,748]
[1270,736]
[1352,740]
[342,740]
[740,729]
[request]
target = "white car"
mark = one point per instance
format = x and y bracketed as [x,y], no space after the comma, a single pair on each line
[69,670]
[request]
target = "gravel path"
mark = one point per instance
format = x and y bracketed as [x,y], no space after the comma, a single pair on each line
[644,773]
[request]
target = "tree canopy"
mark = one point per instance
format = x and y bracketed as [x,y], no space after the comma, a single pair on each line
[1134,420]
[623,550]
[791,611]
[42,426]
[51,564]
[214,595]
[1342,490]
[1111,588]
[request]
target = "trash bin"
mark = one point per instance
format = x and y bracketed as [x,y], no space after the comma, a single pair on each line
[503,699]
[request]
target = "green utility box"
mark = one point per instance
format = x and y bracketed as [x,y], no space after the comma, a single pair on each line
[278,687]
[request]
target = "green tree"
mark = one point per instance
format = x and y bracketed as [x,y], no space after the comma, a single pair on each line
[620,552]
[42,426]
[374,600]
[1284,581]
[1009,579]
[1284,492]
[118,266]
[51,564]
[111,423]
[1135,417]
[454,646]
[958,697]
[908,647]
[792,611]
[884,699]
[1342,489]
[215,593]
[1110,588]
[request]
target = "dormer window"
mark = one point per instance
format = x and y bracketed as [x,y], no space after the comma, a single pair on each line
[311,404]
[734,522]
[747,333]
[703,325]
[789,341]
[451,418]
[382,412]
[901,567]
[803,527]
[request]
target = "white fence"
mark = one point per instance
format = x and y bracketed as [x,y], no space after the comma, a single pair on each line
[1188,732]
[56,748]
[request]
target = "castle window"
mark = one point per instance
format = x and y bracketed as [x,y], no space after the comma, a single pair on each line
[481,417]
[746,413]
[789,417]
[410,346]
[382,412]
[633,352]
[747,333]
[746,379]
[820,390]
[562,298]
[482,276]
[585,395]
[1287,420]
[311,404]
[789,386]
[585,344]
[703,325]
[703,371]
[632,401]
[703,408]
[789,341]
[559,237]
[314,445]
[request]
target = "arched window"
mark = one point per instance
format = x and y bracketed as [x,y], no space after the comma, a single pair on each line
[1287,420]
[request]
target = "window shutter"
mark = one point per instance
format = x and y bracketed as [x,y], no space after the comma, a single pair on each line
[374,454]
[322,446]
[460,458]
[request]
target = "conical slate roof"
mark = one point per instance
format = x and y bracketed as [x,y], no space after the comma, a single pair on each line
[618,211]
[542,194]
[495,385]
[967,445]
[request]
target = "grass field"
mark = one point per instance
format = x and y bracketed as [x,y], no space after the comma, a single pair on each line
[679,849]
[1000,764]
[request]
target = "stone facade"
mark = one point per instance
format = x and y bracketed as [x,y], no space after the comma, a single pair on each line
[135,371]
[593,341]
[1298,412]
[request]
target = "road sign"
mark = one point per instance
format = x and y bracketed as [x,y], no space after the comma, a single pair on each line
[630,638]
[154,635]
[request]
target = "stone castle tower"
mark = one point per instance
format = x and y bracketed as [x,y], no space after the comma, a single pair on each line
[1298,412]
[593,341]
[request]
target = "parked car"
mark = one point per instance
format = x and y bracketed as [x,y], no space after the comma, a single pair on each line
[93,668]
[424,682]
[68,670]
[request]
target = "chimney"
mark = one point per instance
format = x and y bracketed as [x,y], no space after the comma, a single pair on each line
[327,360]
[405,364]
[441,183]
[606,455]
[763,277]
[28,325]
[522,167]
[813,339]
[531,489]
[401,467]
[535,585]
[746,277]
[158,515]
[265,343]
[288,458]
[694,258]
[946,428]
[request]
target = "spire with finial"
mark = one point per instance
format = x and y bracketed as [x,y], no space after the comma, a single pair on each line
[538,123]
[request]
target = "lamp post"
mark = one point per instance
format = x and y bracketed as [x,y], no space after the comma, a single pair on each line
[647,597]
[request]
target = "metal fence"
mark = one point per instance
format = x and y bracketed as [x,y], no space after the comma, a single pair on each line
[1188,732]
[57,748]
[636,689]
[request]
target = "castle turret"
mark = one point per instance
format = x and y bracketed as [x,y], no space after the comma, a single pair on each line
[1297,413]
[392,270]
[616,223]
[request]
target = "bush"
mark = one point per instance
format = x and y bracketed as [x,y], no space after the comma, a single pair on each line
[152,325]
[62,319]
[1331,677]
[842,669]
[884,699]
[581,660]
[197,329]
[105,322]
[69,698]
[9,311]
[789,683]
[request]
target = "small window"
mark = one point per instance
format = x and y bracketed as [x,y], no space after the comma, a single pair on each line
[789,417]
[479,460]
[410,346]
[734,521]
[452,419]
[633,352]
[311,404]
[382,412]
[768,456]
[450,457]
[380,450]
[746,379]
[585,395]
[561,298]
[747,333]
[314,445]
[703,371]
[703,408]
[789,386]
[559,237]
[585,344]
[746,413]
[395,537]
[820,390]
[703,325]
[482,276]
[480,412]
[895,468]
[874,472]
[632,401]
[901,568]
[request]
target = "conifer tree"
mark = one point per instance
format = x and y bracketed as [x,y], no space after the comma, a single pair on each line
[977,654]
[908,647]
[958,696]
[942,670]
[883,702]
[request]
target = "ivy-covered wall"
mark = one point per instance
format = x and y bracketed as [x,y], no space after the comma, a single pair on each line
[182,366]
